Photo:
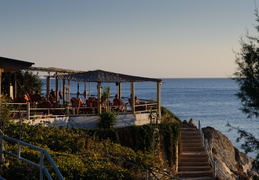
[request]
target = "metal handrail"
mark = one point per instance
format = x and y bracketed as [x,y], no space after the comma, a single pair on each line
[42,153]
[216,169]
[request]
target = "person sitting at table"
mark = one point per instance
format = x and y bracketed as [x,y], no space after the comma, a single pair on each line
[137,101]
[36,98]
[77,102]
[118,104]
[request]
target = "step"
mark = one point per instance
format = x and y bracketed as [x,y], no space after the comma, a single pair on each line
[194,140]
[194,168]
[191,132]
[192,149]
[184,159]
[195,173]
[182,164]
[202,155]
[192,144]
[189,129]
[199,178]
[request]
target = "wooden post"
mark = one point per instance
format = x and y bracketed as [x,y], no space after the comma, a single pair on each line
[56,93]
[68,90]
[48,86]
[99,89]
[28,111]
[176,156]
[64,92]
[159,100]
[118,90]
[15,85]
[133,97]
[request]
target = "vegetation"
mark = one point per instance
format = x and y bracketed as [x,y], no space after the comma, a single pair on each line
[86,154]
[247,77]
[4,112]
[26,82]
[168,116]
[107,119]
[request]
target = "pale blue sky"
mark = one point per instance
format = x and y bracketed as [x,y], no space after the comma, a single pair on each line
[160,39]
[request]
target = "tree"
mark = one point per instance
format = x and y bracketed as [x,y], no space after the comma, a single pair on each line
[247,77]
[26,82]
[247,74]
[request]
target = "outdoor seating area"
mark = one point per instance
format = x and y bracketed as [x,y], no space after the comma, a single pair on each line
[77,107]
[55,104]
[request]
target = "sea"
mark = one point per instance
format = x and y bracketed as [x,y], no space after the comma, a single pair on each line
[212,101]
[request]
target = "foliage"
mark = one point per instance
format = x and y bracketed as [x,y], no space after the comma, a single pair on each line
[168,116]
[106,94]
[83,153]
[170,134]
[251,143]
[103,134]
[80,153]
[107,119]
[247,74]
[26,81]
[247,77]
[5,112]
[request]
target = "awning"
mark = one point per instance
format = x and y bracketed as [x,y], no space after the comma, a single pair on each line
[104,76]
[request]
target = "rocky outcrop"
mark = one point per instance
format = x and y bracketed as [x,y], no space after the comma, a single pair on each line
[231,163]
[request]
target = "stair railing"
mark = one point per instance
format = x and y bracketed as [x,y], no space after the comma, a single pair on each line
[43,152]
[216,169]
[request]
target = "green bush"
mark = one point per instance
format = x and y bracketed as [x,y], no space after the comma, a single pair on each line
[81,153]
[107,119]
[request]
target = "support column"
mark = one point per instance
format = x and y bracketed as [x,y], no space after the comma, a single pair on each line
[99,89]
[48,86]
[64,92]
[159,99]
[9,82]
[15,85]
[118,85]
[68,90]
[56,91]
[133,97]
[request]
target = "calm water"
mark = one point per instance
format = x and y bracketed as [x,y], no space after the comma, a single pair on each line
[212,101]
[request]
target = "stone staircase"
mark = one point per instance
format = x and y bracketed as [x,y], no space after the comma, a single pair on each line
[193,161]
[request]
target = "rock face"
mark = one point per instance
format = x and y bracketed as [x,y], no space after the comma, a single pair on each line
[233,163]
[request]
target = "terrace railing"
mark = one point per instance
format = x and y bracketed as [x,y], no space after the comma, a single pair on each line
[25,110]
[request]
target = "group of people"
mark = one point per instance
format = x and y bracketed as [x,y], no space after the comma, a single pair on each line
[36,99]
[77,102]
[92,104]
[32,98]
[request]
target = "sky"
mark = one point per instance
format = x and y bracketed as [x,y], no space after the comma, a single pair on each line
[150,38]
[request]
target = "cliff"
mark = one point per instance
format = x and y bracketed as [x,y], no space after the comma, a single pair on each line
[232,163]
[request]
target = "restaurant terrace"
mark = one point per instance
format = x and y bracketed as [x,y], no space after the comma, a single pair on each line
[85,115]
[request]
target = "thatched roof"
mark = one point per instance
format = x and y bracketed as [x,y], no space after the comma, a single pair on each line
[9,64]
[53,69]
[104,76]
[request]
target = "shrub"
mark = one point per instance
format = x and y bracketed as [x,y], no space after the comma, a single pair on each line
[107,119]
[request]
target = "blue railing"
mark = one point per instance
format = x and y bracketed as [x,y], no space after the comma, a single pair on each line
[43,153]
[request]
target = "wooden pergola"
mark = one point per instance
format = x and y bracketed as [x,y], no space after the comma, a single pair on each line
[100,76]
